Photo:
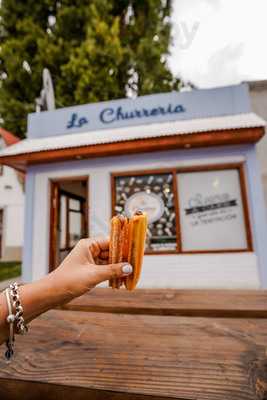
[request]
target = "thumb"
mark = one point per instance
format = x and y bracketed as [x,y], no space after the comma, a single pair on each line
[105,272]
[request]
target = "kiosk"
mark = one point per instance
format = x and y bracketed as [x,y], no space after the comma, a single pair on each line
[188,159]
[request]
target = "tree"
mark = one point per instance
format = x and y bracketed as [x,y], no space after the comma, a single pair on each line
[95,50]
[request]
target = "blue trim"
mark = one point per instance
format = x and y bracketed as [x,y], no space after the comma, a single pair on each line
[258,212]
[27,267]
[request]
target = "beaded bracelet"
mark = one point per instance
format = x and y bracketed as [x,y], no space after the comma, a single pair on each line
[10,320]
[12,294]
[19,320]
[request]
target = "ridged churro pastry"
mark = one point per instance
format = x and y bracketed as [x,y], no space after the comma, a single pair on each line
[127,244]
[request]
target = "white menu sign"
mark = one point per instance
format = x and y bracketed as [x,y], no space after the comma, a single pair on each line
[211,211]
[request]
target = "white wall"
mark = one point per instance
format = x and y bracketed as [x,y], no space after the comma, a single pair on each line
[239,270]
[12,202]
[14,218]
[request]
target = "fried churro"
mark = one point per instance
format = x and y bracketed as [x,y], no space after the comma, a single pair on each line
[127,244]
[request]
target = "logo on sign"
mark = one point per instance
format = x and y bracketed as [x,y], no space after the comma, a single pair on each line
[211,209]
[76,121]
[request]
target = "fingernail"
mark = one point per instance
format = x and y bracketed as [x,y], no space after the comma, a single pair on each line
[127,269]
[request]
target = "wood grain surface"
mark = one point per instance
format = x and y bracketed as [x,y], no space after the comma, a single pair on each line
[146,344]
[201,303]
[20,389]
[167,356]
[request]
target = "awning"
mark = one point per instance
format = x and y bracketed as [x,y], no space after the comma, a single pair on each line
[241,128]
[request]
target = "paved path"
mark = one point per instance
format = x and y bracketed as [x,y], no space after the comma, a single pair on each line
[4,284]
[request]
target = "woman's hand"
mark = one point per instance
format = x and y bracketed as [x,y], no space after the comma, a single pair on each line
[87,265]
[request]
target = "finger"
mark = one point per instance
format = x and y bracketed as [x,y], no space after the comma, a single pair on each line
[104,255]
[105,272]
[88,248]
[100,261]
[103,243]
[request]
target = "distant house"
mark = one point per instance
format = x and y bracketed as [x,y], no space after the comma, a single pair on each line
[11,205]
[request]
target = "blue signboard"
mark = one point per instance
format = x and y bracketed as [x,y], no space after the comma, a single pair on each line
[142,110]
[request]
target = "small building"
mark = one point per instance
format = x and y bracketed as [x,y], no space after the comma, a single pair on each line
[11,205]
[188,159]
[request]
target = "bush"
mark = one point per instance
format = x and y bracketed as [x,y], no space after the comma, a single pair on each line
[9,269]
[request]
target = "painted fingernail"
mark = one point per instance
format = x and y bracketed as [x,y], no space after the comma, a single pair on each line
[127,269]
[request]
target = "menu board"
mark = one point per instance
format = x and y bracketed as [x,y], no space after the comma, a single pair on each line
[153,194]
[211,211]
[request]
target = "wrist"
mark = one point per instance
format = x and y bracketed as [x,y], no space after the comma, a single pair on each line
[41,296]
[55,289]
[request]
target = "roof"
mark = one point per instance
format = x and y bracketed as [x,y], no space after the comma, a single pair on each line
[164,129]
[8,137]
[259,85]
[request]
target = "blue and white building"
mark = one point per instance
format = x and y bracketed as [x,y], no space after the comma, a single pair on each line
[188,159]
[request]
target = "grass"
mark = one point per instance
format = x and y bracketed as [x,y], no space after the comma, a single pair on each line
[9,269]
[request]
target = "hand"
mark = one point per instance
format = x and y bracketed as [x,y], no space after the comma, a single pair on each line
[87,265]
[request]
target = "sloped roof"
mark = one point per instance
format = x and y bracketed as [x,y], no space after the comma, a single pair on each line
[227,122]
[8,137]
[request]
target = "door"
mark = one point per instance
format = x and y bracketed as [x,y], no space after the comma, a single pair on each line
[68,217]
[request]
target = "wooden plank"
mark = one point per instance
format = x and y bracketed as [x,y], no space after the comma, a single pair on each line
[24,390]
[177,357]
[197,303]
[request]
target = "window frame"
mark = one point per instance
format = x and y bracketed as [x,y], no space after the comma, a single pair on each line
[239,166]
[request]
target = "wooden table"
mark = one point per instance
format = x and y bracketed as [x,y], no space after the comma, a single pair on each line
[149,344]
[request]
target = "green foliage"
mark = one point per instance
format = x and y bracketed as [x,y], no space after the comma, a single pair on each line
[95,50]
[9,270]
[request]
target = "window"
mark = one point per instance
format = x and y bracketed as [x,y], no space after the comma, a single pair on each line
[190,210]
[153,193]
[212,211]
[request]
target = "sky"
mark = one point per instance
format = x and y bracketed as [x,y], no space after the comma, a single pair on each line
[219,42]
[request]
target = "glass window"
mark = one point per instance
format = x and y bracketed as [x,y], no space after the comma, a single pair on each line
[75,228]
[154,194]
[211,211]
[74,205]
[207,213]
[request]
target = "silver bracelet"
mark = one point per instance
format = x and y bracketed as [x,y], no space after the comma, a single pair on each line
[21,327]
[15,321]
[10,320]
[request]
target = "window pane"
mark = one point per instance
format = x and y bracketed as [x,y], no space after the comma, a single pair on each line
[74,204]
[211,211]
[153,194]
[75,227]
[62,229]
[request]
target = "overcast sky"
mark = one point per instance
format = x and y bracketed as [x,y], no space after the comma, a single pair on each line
[219,42]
